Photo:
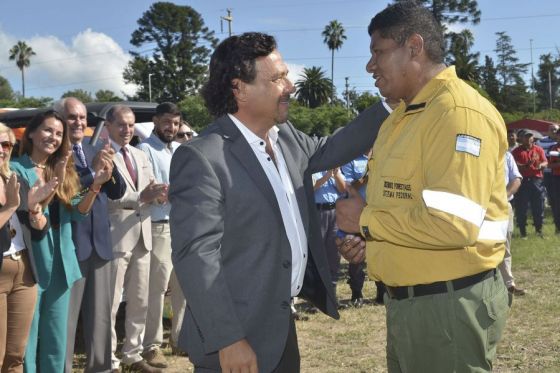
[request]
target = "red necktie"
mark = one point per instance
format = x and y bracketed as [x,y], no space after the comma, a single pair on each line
[128,163]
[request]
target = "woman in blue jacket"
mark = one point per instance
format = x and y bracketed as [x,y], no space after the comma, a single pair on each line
[45,157]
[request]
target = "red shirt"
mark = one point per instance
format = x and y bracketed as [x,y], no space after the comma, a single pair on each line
[531,159]
[554,159]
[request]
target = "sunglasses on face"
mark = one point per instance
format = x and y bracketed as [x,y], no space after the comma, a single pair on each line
[6,146]
[182,135]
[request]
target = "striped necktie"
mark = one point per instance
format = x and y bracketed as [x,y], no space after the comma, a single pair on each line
[80,155]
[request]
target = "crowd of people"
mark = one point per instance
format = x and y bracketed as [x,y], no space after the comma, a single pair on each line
[253,213]
[84,228]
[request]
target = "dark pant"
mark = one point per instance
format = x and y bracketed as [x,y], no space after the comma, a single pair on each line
[328,233]
[356,277]
[554,193]
[290,360]
[531,193]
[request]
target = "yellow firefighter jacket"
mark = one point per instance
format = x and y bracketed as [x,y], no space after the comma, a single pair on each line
[436,197]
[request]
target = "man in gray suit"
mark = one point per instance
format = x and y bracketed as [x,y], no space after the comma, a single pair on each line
[244,228]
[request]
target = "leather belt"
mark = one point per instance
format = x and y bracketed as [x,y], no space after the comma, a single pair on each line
[440,287]
[16,256]
[325,206]
[164,221]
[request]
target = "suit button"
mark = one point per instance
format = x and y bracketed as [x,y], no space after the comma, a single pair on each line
[138,214]
[286,264]
[285,305]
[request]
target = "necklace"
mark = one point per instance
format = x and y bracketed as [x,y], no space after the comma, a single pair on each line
[41,166]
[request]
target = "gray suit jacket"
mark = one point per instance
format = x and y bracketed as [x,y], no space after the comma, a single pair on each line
[230,250]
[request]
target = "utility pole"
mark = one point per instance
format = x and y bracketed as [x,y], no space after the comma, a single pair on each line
[347,94]
[228,19]
[550,89]
[150,86]
[532,77]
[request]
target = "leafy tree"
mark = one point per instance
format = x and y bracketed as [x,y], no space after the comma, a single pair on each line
[27,103]
[313,89]
[547,90]
[180,57]
[508,66]
[106,95]
[513,91]
[489,79]
[361,101]
[453,11]
[466,63]
[319,121]
[80,94]
[6,92]
[333,36]
[195,112]
[21,53]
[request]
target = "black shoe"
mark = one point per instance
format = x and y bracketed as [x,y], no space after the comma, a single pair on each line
[357,299]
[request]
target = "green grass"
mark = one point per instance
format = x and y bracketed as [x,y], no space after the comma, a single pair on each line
[356,342]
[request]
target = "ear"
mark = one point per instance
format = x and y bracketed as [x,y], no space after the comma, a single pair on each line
[416,45]
[239,89]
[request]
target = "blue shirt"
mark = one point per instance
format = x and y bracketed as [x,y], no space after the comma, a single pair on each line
[160,158]
[355,170]
[326,193]
[512,172]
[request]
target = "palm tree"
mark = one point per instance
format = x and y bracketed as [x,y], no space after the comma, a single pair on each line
[333,36]
[313,89]
[21,53]
[459,54]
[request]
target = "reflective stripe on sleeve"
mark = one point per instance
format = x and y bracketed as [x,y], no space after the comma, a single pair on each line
[493,230]
[455,204]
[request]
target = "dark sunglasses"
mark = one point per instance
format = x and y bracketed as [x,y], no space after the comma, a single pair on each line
[182,135]
[6,146]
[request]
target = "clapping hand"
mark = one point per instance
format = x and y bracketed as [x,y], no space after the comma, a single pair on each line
[12,192]
[40,192]
[106,154]
[103,171]
[153,192]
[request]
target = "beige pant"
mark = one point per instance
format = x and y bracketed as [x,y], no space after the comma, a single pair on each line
[131,275]
[505,265]
[178,303]
[160,270]
[18,294]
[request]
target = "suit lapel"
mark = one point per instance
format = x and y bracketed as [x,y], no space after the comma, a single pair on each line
[241,149]
[119,162]
[297,182]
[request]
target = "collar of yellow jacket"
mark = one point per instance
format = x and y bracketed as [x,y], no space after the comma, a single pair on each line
[428,92]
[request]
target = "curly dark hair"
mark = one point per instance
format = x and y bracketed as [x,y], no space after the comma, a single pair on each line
[234,58]
[400,20]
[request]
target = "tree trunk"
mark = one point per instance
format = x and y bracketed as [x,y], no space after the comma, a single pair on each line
[332,77]
[22,84]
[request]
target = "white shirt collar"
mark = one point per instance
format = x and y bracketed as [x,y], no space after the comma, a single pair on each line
[251,137]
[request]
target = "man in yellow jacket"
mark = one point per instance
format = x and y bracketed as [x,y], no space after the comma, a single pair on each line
[436,217]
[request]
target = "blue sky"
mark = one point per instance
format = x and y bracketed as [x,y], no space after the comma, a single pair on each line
[83,44]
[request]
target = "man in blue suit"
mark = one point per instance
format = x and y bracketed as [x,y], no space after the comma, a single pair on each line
[94,248]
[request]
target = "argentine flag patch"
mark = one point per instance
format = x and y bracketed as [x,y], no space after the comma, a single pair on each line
[468,144]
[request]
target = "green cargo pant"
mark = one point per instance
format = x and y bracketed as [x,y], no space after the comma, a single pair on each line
[457,331]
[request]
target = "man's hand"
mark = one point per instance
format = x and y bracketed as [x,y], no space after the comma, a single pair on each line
[153,191]
[352,248]
[105,155]
[103,172]
[238,357]
[348,211]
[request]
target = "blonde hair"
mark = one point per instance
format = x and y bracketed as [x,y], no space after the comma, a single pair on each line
[5,167]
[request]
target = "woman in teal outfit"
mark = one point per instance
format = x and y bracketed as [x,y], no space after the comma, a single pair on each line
[45,156]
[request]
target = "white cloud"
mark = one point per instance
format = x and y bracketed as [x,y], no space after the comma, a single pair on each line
[295,71]
[92,61]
